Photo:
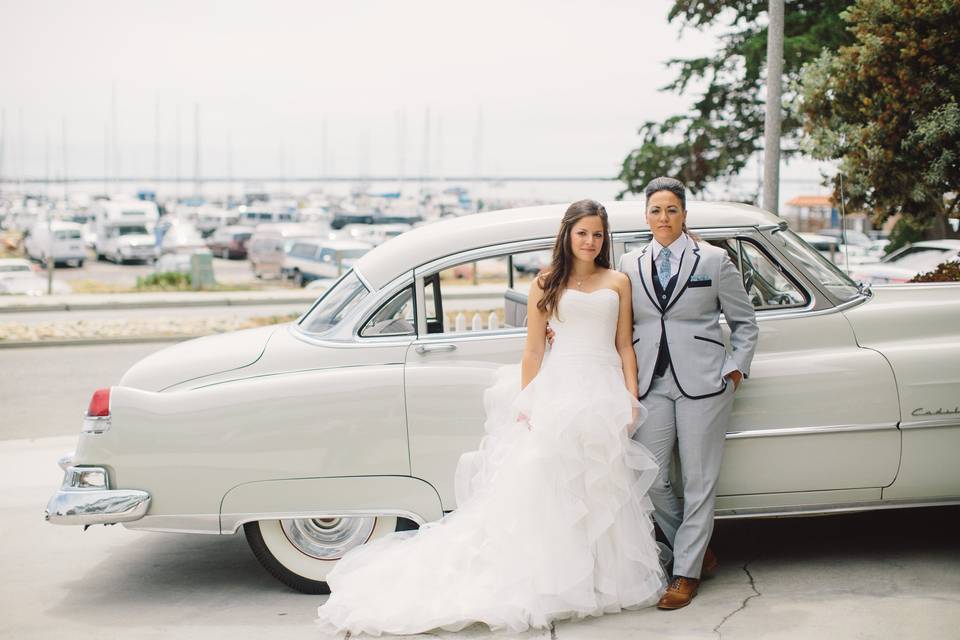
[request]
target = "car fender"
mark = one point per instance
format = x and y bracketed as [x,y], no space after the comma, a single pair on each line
[343,496]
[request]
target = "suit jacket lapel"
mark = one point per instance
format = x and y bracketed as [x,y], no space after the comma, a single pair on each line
[645,264]
[687,269]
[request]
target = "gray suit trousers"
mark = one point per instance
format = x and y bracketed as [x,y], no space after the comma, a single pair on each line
[699,428]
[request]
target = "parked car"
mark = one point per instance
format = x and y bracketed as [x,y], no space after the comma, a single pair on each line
[17,277]
[230,242]
[374,234]
[270,243]
[322,434]
[313,258]
[255,215]
[904,264]
[62,240]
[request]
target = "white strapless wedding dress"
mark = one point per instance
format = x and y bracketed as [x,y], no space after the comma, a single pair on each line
[552,522]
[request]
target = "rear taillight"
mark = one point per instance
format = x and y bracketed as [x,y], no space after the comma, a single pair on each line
[97,419]
[99,403]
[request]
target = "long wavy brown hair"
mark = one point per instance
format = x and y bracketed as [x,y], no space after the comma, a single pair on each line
[555,281]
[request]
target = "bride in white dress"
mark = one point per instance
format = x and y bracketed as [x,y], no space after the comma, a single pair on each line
[553,521]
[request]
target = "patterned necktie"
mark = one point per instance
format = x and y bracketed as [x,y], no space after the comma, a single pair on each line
[663,268]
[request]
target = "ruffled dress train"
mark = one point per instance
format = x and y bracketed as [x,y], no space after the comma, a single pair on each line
[553,521]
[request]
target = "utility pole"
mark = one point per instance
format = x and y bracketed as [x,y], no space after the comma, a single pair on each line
[771,126]
[196,149]
[156,137]
[3,143]
[176,154]
[116,135]
[63,150]
[478,145]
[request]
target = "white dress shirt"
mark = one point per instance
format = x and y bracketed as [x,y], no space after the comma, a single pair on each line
[677,247]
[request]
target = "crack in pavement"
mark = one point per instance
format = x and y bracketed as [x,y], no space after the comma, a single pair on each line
[743,604]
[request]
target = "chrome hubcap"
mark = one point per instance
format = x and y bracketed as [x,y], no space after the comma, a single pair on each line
[327,538]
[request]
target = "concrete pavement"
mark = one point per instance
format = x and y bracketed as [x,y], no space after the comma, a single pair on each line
[893,574]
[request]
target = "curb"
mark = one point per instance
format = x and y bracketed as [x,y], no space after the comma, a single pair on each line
[82,342]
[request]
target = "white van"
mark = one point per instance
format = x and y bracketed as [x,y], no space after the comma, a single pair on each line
[269,244]
[252,216]
[315,258]
[125,229]
[62,240]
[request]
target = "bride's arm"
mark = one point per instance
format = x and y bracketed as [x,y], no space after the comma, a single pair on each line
[625,333]
[536,336]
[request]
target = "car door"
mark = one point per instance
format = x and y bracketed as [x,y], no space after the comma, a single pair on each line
[469,327]
[818,414]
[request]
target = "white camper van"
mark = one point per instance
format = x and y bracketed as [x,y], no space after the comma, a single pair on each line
[125,229]
[60,239]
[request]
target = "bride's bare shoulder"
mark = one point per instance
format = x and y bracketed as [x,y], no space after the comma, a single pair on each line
[617,280]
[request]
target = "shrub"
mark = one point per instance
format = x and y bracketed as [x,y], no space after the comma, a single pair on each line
[167,281]
[946,272]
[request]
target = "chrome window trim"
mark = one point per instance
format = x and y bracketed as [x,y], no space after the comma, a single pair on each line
[230,523]
[394,336]
[347,332]
[482,253]
[807,431]
[363,280]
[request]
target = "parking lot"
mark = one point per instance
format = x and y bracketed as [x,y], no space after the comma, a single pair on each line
[231,272]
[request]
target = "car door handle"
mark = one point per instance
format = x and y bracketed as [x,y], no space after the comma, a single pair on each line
[427,348]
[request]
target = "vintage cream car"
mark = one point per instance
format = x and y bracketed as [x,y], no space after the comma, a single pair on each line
[319,435]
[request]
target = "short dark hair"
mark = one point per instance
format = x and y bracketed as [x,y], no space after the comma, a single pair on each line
[672,185]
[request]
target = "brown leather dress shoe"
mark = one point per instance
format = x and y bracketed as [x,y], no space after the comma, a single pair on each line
[679,593]
[710,564]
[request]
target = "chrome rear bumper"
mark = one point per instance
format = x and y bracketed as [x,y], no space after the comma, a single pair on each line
[84,499]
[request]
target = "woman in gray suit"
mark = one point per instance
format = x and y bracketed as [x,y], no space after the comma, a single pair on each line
[687,376]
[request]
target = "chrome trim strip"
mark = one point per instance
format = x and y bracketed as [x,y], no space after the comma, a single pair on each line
[931,424]
[470,336]
[230,523]
[805,431]
[817,509]
[202,523]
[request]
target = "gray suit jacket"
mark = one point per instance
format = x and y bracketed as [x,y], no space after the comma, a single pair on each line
[689,320]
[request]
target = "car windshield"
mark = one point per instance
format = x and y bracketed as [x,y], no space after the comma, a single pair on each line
[67,234]
[918,258]
[335,304]
[837,283]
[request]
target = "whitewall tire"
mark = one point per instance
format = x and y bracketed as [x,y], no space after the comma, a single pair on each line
[301,553]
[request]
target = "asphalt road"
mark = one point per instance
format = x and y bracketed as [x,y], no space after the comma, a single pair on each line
[45,390]
[125,275]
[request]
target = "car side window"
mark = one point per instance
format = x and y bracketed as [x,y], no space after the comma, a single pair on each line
[765,283]
[484,295]
[394,318]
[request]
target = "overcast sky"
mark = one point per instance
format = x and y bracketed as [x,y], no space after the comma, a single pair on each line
[562,85]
